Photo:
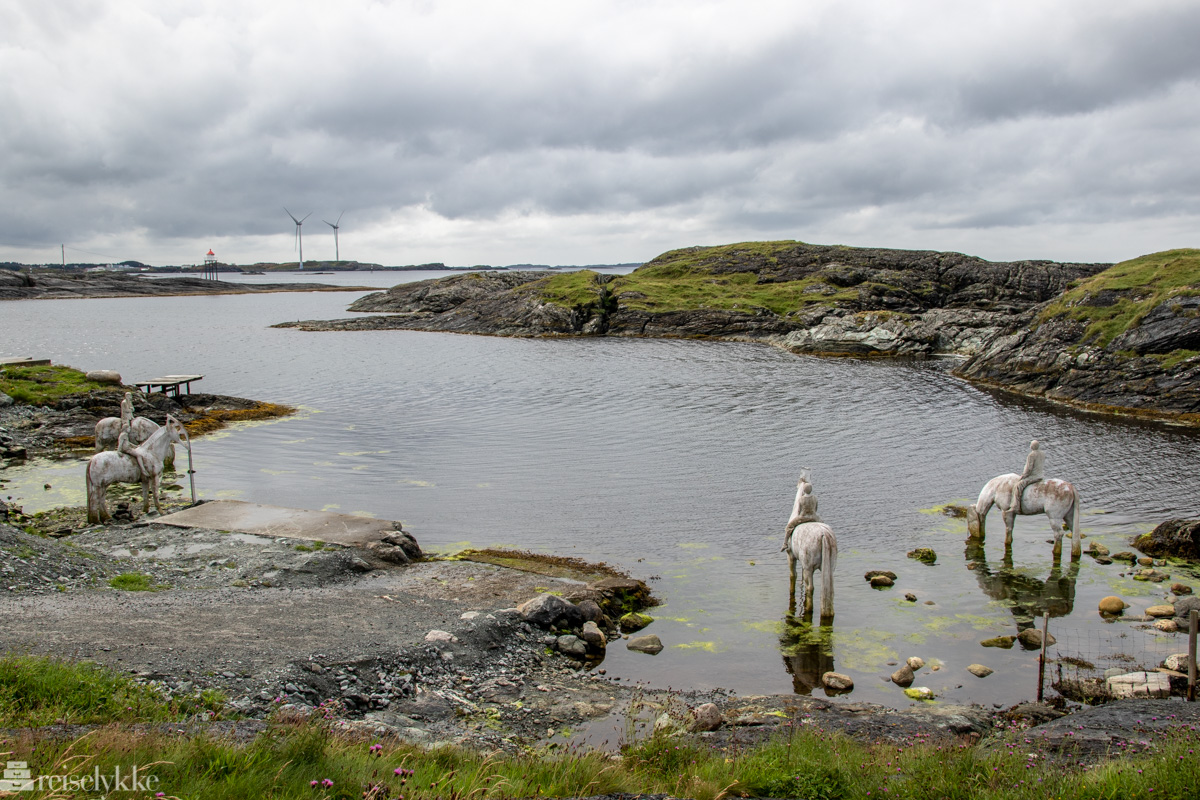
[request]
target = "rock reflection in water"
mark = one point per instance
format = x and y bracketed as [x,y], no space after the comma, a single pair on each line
[807,652]
[1027,597]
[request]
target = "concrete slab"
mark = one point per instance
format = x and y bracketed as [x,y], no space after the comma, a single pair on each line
[277,521]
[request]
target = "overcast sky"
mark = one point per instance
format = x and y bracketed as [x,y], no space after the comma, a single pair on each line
[574,132]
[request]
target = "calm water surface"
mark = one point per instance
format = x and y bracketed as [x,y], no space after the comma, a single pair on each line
[675,460]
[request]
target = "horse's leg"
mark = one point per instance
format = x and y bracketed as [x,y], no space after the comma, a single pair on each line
[1076,536]
[1056,525]
[155,483]
[1010,519]
[809,585]
[828,564]
[792,585]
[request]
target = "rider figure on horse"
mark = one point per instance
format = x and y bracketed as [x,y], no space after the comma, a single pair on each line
[806,509]
[124,441]
[1034,472]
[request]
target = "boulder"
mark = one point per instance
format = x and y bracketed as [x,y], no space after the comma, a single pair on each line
[999,641]
[1184,606]
[549,611]
[591,610]
[706,717]
[618,595]
[1112,605]
[634,621]
[1166,625]
[645,644]
[5,400]
[837,682]
[1177,662]
[920,693]
[1031,638]
[877,572]
[882,581]
[923,554]
[667,725]
[1097,549]
[440,637]
[903,676]
[1145,561]
[1160,611]
[388,552]
[104,376]
[1180,588]
[1152,575]
[915,663]
[1139,684]
[592,634]
[571,645]
[1178,538]
[979,670]
[405,541]
[1124,555]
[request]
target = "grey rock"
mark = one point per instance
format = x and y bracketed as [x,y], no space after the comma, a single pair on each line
[571,645]
[5,400]
[915,662]
[706,717]
[549,611]
[837,682]
[592,634]
[1031,638]
[649,643]
[903,676]
[979,670]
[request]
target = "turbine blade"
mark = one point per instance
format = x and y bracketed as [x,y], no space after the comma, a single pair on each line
[339,219]
[293,216]
[306,216]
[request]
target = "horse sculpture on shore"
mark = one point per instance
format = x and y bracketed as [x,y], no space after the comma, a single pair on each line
[108,431]
[811,544]
[146,468]
[1057,499]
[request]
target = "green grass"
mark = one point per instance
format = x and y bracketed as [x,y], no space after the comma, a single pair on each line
[1140,283]
[684,280]
[294,753]
[35,690]
[135,582]
[46,385]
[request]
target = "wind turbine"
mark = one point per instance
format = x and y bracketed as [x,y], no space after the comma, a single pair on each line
[299,235]
[336,255]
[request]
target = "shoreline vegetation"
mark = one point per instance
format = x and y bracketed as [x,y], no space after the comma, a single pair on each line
[1116,339]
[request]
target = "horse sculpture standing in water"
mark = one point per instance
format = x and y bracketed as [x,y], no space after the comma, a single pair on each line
[144,467]
[811,544]
[1057,499]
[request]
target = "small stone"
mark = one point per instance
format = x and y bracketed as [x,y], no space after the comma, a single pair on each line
[881,582]
[1152,575]
[1145,561]
[1097,549]
[875,572]
[571,645]
[707,717]
[645,644]
[443,637]
[1166,625]
[903,676]
[1031,638]
[634,621]
[920,693]
[1180,588]
[999,641]
[979,670]
[1160,611]
[1112,605]
[910,597]
[667,725]
[1124,555]
[923,554]
[592,634]
[469,615]
[930,603]
[915,663]
[837,682]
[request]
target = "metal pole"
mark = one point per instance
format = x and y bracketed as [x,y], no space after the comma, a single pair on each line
[1042,657]
[1192,622]
[191,472]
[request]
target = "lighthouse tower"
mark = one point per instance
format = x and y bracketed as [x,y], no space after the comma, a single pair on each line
[210,265]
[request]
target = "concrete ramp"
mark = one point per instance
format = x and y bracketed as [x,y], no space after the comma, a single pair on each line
[276,521]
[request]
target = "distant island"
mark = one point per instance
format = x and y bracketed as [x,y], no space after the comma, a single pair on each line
[1121,338]
[262,267]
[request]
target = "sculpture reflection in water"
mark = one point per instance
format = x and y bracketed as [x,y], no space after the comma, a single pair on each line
[1027,597]
[807,652]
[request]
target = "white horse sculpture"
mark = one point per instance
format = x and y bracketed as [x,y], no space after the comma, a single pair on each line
[812,545]
[112,467]
[108,431]
[1057,499]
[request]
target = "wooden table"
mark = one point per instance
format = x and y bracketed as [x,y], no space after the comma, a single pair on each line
[169,384]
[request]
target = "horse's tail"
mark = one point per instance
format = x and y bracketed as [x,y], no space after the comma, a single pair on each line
[93,497]
[828,564]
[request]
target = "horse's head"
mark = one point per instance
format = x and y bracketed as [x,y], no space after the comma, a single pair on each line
[176,429]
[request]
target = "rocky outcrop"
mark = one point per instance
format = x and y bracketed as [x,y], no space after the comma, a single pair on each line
[1175,538]
[1051,361]
[853,301]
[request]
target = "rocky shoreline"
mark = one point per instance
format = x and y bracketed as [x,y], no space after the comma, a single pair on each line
[58,286]
[1017,324]
[440,651]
